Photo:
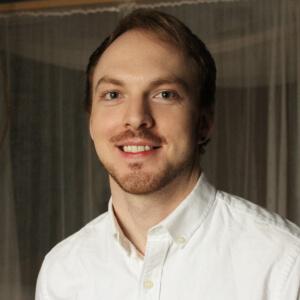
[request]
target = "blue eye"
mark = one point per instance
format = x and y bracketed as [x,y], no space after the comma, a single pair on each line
[167,95]
[111,95]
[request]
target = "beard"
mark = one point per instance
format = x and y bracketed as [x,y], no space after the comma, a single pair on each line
[140,181]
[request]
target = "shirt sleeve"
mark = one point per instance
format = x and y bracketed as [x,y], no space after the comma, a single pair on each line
[291,289]
[40,291]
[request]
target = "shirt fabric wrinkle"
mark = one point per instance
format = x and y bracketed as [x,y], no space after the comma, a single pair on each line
[212,246]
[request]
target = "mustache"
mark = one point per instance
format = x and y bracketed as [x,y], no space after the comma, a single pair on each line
[142,134]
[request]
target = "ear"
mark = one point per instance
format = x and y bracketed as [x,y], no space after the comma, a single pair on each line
[205,126]
[91,128]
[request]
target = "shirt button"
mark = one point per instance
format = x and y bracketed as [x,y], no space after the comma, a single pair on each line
[148,284]
[181,240]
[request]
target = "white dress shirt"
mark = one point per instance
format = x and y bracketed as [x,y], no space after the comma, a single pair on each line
[213,246]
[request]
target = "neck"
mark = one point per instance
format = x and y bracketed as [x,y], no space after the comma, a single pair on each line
[136,214]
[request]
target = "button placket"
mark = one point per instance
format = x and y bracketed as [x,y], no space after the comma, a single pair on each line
[181,240]
[157,248]
[148,284]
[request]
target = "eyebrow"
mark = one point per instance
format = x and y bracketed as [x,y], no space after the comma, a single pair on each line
[170,80]
[153,84]
[106,79]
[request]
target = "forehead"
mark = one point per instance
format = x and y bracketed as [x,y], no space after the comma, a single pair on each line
[140,53]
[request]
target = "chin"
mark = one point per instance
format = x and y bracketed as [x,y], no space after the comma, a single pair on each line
[139,182]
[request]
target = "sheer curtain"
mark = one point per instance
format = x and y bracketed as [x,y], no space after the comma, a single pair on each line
[51,183]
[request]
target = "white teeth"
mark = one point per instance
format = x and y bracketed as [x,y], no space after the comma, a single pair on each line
[135,149]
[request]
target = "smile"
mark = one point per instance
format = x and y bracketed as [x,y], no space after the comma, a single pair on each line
[137,148]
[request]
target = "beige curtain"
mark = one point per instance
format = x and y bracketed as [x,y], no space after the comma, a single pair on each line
[50,180]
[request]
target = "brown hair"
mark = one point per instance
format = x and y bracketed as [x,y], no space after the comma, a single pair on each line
[169,29]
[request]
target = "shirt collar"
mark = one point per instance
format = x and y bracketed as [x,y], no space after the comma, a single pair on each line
[117,231]
[182,222]
[191,212]
[119,235]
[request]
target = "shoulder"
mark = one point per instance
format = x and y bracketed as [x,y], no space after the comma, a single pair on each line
[71,253]
[262,246]
[260,240]
[82,240]
[70,259]
[249,216]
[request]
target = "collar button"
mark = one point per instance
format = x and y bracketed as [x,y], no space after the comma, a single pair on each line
[148,284]
[180,240]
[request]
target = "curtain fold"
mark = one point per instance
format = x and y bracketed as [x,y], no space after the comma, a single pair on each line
[9,251]
[51,182]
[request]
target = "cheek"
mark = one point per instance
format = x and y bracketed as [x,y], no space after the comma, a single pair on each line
[179,128]
[101,128]
[102,124]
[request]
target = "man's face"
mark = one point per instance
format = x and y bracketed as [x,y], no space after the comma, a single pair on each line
[144,113]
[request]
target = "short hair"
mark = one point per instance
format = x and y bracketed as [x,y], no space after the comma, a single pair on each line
[169,29]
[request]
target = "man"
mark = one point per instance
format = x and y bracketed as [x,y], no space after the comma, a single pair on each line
[168,234]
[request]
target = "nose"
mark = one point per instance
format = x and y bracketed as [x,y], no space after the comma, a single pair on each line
[138,114]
